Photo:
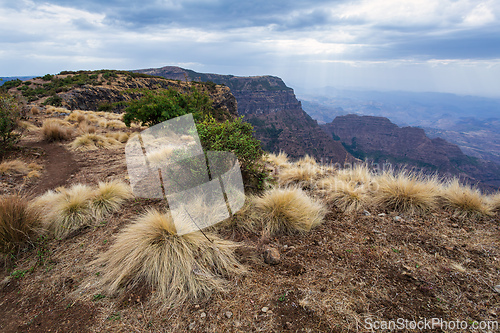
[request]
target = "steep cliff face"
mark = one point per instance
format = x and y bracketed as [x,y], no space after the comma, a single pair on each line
[379,139]
[274,111]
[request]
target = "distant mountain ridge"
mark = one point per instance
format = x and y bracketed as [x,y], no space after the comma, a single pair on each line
[274,111]
[471,122]
[4,79]
[379,139]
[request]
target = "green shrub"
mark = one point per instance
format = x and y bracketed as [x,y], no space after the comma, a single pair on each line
[235,136]
[55,100]
[105,106]
[160,105]
[11,84]
[10,113]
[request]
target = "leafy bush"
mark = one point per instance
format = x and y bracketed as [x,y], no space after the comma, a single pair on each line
[10,113]
[157,106]
[11,84]
[232,135]
[55,100]
[237,137]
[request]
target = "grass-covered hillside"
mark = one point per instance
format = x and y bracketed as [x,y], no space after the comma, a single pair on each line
[320,248]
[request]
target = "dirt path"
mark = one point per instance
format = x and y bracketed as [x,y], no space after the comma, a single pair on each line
[59,166]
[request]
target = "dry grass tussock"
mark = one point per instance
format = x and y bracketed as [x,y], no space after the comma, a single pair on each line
[49,109]
[241,220]
[348,196]
[109,196]
[160,156]
[56,130]
[68,209]
[27,126]
[78,116]
[280,160]
[303,176]
[92,141]
[407,192]
[119,136]
[113,123]
[178,268]
[287,210]
[306,160]
[359,173]
[85,127]
[35,110]
[494,202]
[19,167]
[464,200]
[18,222]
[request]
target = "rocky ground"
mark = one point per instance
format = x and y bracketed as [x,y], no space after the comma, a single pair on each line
[351,270]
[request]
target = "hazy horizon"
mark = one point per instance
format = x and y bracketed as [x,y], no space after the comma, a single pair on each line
[434,46]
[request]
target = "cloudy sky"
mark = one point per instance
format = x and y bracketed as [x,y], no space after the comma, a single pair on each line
[418,45]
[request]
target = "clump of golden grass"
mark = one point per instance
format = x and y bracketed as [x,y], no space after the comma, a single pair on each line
[348,196]
[13,167]
[494,201]
[119,136]
[92,141]
[77,116]
[33,174]
[306,160]
[178,268]
[280,160]
[18,222]
[464,200]
[359,173]
[300,175]
[160,156]
[26,125]
[115,124]
[286,210]
[56,130]
[84,127]
[35,110]
[407,192]
[110,196]
[49,109]
[68,209]
[242,220]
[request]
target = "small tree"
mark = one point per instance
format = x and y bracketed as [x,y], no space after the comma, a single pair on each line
[160,105]
[237,137]
[10,113]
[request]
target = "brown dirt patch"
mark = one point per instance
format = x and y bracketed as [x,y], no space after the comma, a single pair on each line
[59,166]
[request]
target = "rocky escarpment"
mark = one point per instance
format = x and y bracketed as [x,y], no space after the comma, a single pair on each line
[102,89]
[379,139]
[274,111]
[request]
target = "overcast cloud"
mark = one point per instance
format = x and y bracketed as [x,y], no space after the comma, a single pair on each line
[422,45]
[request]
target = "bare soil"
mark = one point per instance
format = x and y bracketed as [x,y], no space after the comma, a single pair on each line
[329,280]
